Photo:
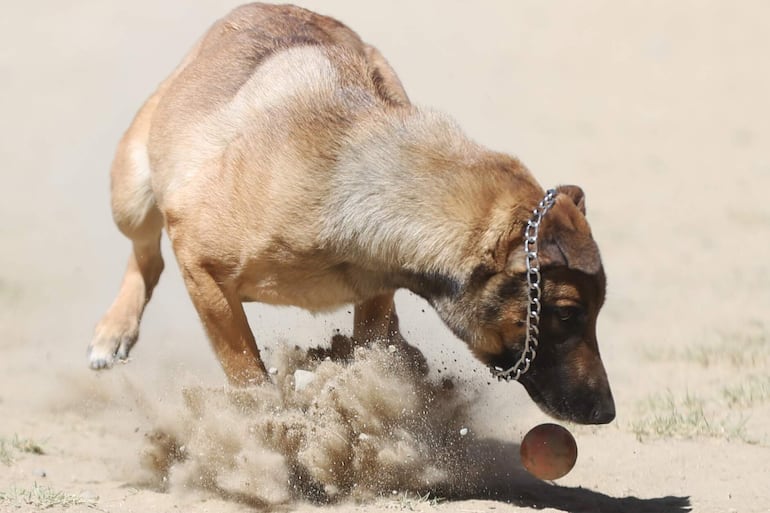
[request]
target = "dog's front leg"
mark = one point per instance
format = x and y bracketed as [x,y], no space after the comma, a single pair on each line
[375,320]
[118,330]
[221,312]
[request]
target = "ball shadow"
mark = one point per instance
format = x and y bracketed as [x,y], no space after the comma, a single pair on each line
[504,479]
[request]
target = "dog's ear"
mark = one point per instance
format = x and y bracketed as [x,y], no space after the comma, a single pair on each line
[571,249]
[564,238]
[576,194]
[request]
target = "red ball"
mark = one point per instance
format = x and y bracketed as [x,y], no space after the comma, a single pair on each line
[548,451]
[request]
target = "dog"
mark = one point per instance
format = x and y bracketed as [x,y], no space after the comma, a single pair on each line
[287,165]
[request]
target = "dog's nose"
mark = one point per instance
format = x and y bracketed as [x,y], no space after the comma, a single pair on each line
[603,414]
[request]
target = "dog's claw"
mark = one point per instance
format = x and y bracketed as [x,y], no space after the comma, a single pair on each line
[122,353]
[102,354]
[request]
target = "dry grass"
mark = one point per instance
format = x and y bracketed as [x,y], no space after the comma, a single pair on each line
[746,349]
[26,445]
[43,497]
[719,411]
[666,416]
[406,501]
[6,458]
[753,391]
[9,447]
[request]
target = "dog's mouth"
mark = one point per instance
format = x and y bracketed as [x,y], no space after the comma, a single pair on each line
[559,411]
[581,404]
[556,396]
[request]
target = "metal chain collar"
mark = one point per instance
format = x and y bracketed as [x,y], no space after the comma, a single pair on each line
[533,292]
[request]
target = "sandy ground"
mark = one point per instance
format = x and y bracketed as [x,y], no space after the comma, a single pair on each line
[659,110]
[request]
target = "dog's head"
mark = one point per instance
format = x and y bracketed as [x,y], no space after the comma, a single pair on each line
[566,378]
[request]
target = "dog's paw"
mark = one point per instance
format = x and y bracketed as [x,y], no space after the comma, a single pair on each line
[104,351]
[341,350]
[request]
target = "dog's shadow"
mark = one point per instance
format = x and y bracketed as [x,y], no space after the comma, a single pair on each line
[504,479]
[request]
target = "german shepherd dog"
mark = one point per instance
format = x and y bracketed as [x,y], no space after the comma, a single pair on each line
[288,166]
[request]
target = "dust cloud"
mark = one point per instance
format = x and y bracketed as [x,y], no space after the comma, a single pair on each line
[322,430]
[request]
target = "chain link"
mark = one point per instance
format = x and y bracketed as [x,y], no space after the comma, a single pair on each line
[534,306]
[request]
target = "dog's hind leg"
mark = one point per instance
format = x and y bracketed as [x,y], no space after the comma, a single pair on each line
[137,216]
[375,320]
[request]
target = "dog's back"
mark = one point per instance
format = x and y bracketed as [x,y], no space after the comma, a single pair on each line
[263,79]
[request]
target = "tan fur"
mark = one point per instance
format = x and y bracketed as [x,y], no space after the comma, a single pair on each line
[288,166]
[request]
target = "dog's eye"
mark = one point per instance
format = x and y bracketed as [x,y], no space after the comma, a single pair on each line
[564,313]
[569,314]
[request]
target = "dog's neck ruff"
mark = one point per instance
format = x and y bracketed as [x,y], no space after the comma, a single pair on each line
[533,292]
